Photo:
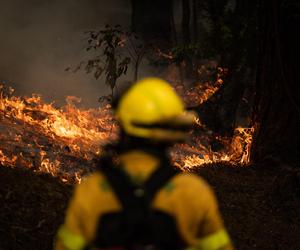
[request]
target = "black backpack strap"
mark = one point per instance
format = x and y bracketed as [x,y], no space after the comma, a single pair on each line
[121,184]
[158,179]
[137,222]
[127,192]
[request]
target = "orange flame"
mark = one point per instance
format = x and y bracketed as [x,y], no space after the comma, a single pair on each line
[64,141]
[42,137]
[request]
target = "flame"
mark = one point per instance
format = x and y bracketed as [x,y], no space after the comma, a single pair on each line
[49,139]
[8,161]
[199,152]
[202,90]
[64,141]
[236,150]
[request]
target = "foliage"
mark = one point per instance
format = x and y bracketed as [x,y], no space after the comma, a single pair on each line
[136,49]
[109,58]
[185,52]
[113,51]
[108,55]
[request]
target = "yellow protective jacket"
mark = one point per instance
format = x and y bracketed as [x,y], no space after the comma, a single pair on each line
[187,197]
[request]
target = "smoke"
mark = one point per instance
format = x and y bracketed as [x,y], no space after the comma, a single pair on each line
[40,38]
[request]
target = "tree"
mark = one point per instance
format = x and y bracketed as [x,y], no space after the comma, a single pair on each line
[185,22]
[228,31]
[277,111]
[195,20]
[152,19]
[109,57]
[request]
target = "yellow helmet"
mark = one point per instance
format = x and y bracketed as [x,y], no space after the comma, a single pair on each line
[152,109]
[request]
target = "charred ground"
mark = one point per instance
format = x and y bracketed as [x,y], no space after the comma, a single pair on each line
[256,213]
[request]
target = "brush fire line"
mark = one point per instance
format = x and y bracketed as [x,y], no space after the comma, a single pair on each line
[65,142]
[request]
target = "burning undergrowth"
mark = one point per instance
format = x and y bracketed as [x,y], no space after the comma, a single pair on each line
[62,141]
[65,141]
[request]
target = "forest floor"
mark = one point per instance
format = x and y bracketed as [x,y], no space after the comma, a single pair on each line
[258,212]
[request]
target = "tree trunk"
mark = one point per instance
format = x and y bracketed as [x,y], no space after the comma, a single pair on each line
[276,112]
[173,27]
[195,20]
[152,19]
[238,56]
[185,23]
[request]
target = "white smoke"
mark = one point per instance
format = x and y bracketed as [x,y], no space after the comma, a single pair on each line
[40,38]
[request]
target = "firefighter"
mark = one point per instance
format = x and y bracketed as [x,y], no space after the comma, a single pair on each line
[137,200]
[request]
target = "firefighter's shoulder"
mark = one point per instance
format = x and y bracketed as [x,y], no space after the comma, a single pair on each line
[191,182]
[95,188]
[94,181]
[190,189]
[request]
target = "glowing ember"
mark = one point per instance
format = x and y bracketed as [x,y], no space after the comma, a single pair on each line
[8,161]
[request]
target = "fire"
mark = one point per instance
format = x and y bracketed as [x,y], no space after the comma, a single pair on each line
[64,141]
[201,91]
[49,139]
[236,150]
[241,144]
[199,152]
[8,161]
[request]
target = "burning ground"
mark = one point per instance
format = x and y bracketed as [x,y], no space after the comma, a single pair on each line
[65,141]
[59,141]
[44,149]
